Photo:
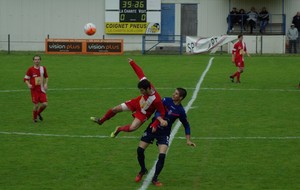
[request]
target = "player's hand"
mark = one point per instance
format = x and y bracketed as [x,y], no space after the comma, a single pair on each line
[45,86]
[153,129]
[163,123]
[190,143]
[129,60]
[29,86]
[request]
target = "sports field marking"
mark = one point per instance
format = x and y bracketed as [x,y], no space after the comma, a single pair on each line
[148,179]
[253,89]
[137,137]
[84,89]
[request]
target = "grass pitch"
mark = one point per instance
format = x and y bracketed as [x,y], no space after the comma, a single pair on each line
[247,134]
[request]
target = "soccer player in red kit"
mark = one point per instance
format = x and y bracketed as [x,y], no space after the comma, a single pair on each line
[36,79]
[142,106]
[238,51]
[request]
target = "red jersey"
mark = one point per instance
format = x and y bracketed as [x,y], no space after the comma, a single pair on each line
[145,105]
[238,50]
[36,76]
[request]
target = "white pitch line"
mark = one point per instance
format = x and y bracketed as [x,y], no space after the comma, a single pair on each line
[148,179]
[136,137]
[252,89]
[223,89]
[81,89]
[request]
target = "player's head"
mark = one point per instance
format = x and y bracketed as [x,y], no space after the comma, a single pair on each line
[144,86]
[178,95]
[182,92]
[36,59]
[240,37]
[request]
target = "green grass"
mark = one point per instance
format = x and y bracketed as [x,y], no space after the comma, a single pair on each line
[237,127]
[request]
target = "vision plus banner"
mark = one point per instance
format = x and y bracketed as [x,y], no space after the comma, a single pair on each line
[84,46]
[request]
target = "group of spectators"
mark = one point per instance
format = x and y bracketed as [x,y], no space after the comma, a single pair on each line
[251,18]
[293,34]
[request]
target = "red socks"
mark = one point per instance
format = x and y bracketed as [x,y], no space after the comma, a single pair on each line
[125,128]
[109,114]
[35,114]
[237,75]
[41,110]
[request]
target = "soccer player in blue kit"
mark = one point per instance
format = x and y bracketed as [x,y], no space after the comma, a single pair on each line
[174,110]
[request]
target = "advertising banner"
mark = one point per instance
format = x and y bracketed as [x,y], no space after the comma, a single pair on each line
[200,45]
[132,28]
[84,46]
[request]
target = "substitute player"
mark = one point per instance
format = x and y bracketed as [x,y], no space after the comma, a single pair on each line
[238,51]
[142,107]
[174,110]
[36,79]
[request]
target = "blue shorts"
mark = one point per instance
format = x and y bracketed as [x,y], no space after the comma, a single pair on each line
[149,137]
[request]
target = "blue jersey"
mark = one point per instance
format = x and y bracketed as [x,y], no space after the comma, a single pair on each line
[173,112]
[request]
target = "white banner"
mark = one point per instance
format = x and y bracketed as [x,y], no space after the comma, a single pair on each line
[196,45]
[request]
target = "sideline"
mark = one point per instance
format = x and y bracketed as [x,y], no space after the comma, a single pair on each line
[138,137]
[221,89]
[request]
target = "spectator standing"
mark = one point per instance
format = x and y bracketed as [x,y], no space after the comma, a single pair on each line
[232,19]
[296,21]
[292,35]
[264,19]
[252,19]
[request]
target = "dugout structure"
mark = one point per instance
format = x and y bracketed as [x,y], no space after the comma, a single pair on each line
[163,44]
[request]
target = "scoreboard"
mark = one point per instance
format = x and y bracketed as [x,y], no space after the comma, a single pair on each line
[133,11]
[132,16]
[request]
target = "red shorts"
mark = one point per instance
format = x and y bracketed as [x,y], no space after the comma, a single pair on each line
[239,63]
[134,106]
[37,97]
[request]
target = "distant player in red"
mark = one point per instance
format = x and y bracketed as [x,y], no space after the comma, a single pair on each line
[36,79]
[142,107]
[238,51]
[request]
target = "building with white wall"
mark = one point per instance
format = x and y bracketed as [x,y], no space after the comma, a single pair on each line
[29,22]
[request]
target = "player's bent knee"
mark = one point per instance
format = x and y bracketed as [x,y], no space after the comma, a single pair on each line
[117,109]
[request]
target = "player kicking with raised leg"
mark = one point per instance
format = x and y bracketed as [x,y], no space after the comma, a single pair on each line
[142,106]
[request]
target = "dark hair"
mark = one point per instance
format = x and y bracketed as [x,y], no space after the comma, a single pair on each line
[240,35]
[182,92]
[37,56]
[144,84]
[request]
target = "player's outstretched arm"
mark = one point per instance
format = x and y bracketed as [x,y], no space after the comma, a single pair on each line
[138,71]
[189,142]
